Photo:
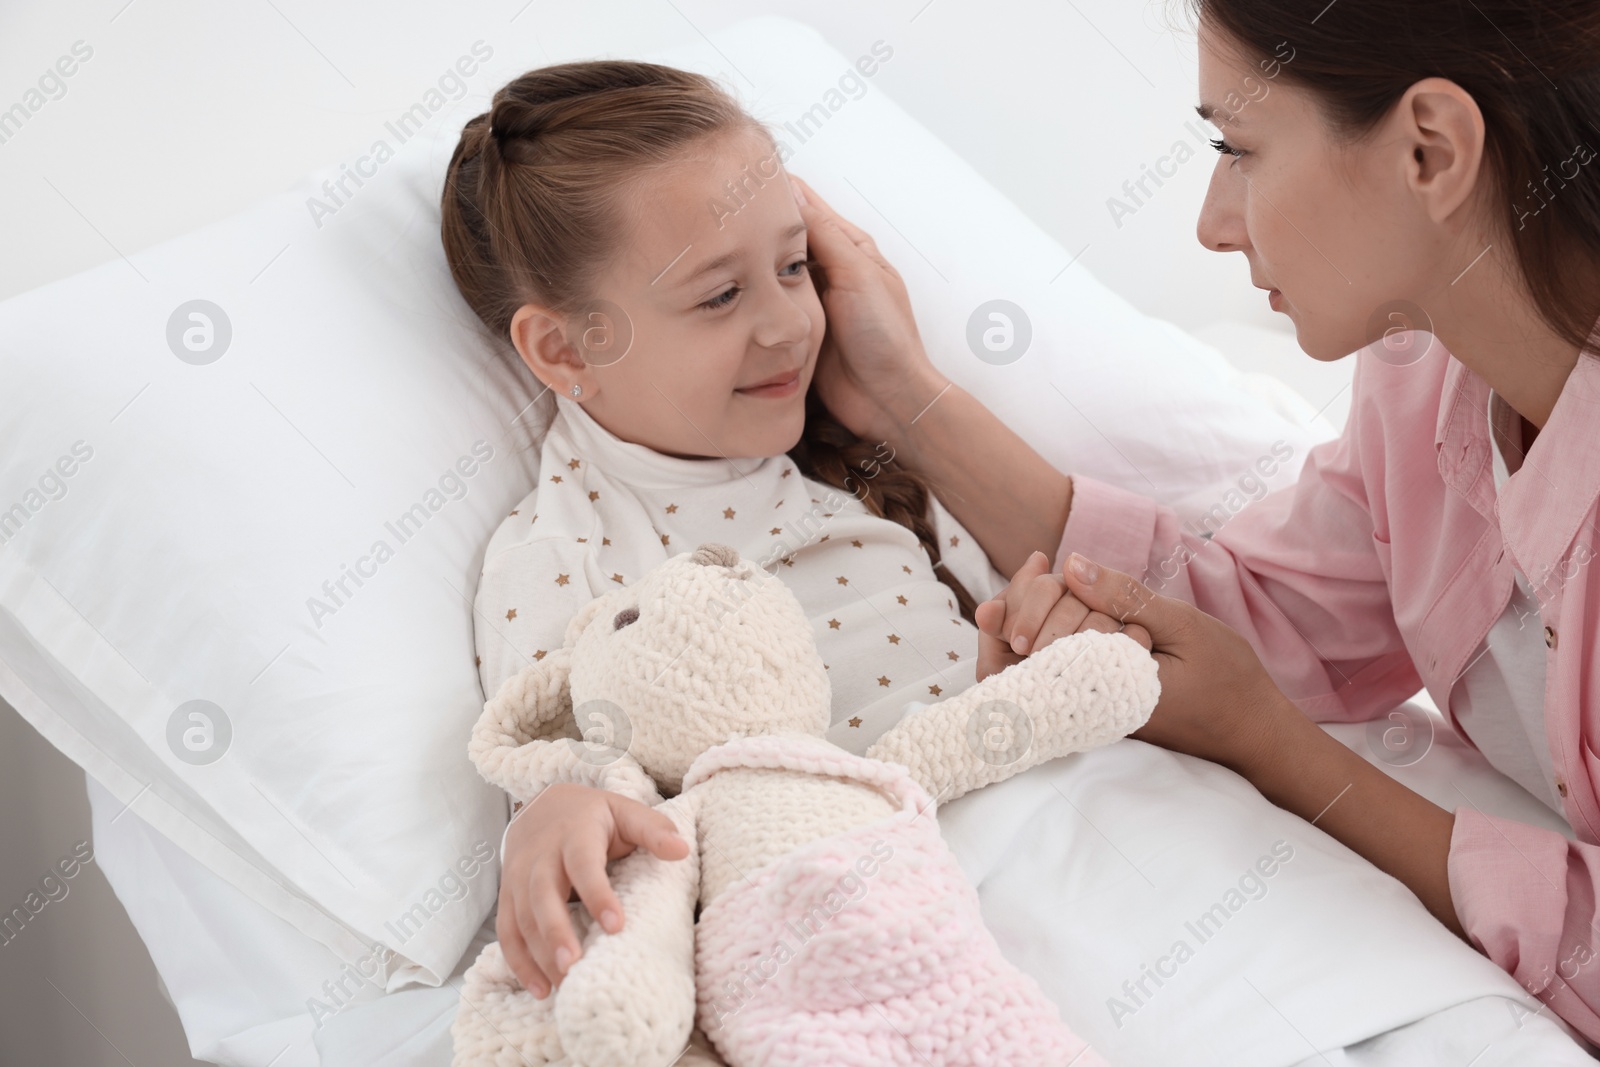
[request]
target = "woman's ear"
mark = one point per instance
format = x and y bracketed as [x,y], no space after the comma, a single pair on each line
[1443,132]
[540,335]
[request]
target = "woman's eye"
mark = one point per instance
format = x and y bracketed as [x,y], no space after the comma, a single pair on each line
[1225,148]
[625,617]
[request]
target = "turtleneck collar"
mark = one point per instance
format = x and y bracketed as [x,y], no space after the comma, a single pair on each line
[639,465]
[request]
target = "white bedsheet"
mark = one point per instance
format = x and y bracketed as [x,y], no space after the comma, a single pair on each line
[1087,867]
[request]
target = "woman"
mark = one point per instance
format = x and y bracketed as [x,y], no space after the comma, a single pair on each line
[1416,164]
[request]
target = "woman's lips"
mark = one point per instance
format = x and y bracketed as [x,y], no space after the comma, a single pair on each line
[774,390]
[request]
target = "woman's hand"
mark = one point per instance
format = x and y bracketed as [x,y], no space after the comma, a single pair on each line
[872,372]
[1217,700]
[1033,611]
[559,842]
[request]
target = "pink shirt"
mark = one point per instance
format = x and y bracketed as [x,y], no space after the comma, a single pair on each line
[1380,572]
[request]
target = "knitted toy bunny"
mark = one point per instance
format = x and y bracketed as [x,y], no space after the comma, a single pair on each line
[834,924]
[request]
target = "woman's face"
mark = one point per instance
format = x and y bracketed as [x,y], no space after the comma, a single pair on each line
[722,320]
[1338,230]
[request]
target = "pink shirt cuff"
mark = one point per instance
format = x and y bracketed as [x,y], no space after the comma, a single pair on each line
[1110,525]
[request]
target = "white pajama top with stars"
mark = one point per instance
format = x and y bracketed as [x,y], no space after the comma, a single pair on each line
[606,510]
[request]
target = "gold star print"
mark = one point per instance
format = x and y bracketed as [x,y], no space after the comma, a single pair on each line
[905,568]
[533,520]
[513,511]
[788,471]
[955,622]
[901,598]
[617,578]
[788,561]
[594,494]
[935,690]
[950,604]
[562,579]
[511,615]
[555,478]
[672,509]
[824,538]
[856,543]
[666,539]
[833,624]
[883,681]
[842,580]
[727,513]
[539,654]
[954,540]
[477,661]
[605,540]
[573,464]
[583,540]
[894,639]
[775,531]
[954,657]
[855,722]
[517,806]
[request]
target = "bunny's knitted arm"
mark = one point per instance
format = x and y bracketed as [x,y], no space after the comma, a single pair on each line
[1077,693]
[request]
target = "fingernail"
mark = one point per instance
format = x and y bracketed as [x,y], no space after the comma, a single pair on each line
[1084,569]
[610,921]
[1019,645]
[540,991]
[563,959]
[1038,555]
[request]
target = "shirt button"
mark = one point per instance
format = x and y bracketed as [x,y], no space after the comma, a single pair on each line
[1549,637]
[1561,787]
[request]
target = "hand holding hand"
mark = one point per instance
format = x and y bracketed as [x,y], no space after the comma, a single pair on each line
[1034,610]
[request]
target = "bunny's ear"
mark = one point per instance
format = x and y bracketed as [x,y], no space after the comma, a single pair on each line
[527,739]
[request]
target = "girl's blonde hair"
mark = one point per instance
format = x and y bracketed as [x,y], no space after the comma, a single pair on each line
[534,209]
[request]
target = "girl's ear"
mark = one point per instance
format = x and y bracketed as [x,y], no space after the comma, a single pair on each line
[540,336]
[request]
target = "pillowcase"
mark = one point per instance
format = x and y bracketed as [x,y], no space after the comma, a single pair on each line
[244,505]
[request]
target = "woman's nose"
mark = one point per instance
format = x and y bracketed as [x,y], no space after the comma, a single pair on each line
[1221,226]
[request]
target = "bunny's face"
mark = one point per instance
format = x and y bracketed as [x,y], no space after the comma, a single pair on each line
[705,648]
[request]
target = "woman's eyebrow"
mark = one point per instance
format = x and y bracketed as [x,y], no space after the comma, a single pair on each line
[1208,113]
[730,257]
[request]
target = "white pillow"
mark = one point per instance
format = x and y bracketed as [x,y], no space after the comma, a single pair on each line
[169,523]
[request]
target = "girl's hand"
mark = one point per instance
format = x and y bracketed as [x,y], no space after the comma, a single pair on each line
[562,841]
[872,372]
[1217,700]
[1033,611]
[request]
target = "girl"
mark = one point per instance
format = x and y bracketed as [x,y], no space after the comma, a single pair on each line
[633,234]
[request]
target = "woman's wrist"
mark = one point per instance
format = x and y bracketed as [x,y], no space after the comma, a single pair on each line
[902,409]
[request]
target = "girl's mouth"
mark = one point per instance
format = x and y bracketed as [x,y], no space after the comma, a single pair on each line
[775,388]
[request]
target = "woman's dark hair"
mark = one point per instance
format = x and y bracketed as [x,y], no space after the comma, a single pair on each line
[535,207]
[1533,66]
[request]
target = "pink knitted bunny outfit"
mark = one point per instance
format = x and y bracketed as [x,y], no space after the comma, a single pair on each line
[863,948]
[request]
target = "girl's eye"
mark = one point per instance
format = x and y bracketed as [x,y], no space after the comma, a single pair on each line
[723,299]
[1225,148]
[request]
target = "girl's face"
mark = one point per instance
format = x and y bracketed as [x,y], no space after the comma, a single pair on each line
[1352,237]
[714,305]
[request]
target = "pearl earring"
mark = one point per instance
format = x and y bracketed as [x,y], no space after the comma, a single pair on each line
[577,390]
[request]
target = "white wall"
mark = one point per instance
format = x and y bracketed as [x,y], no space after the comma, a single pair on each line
[188,111]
